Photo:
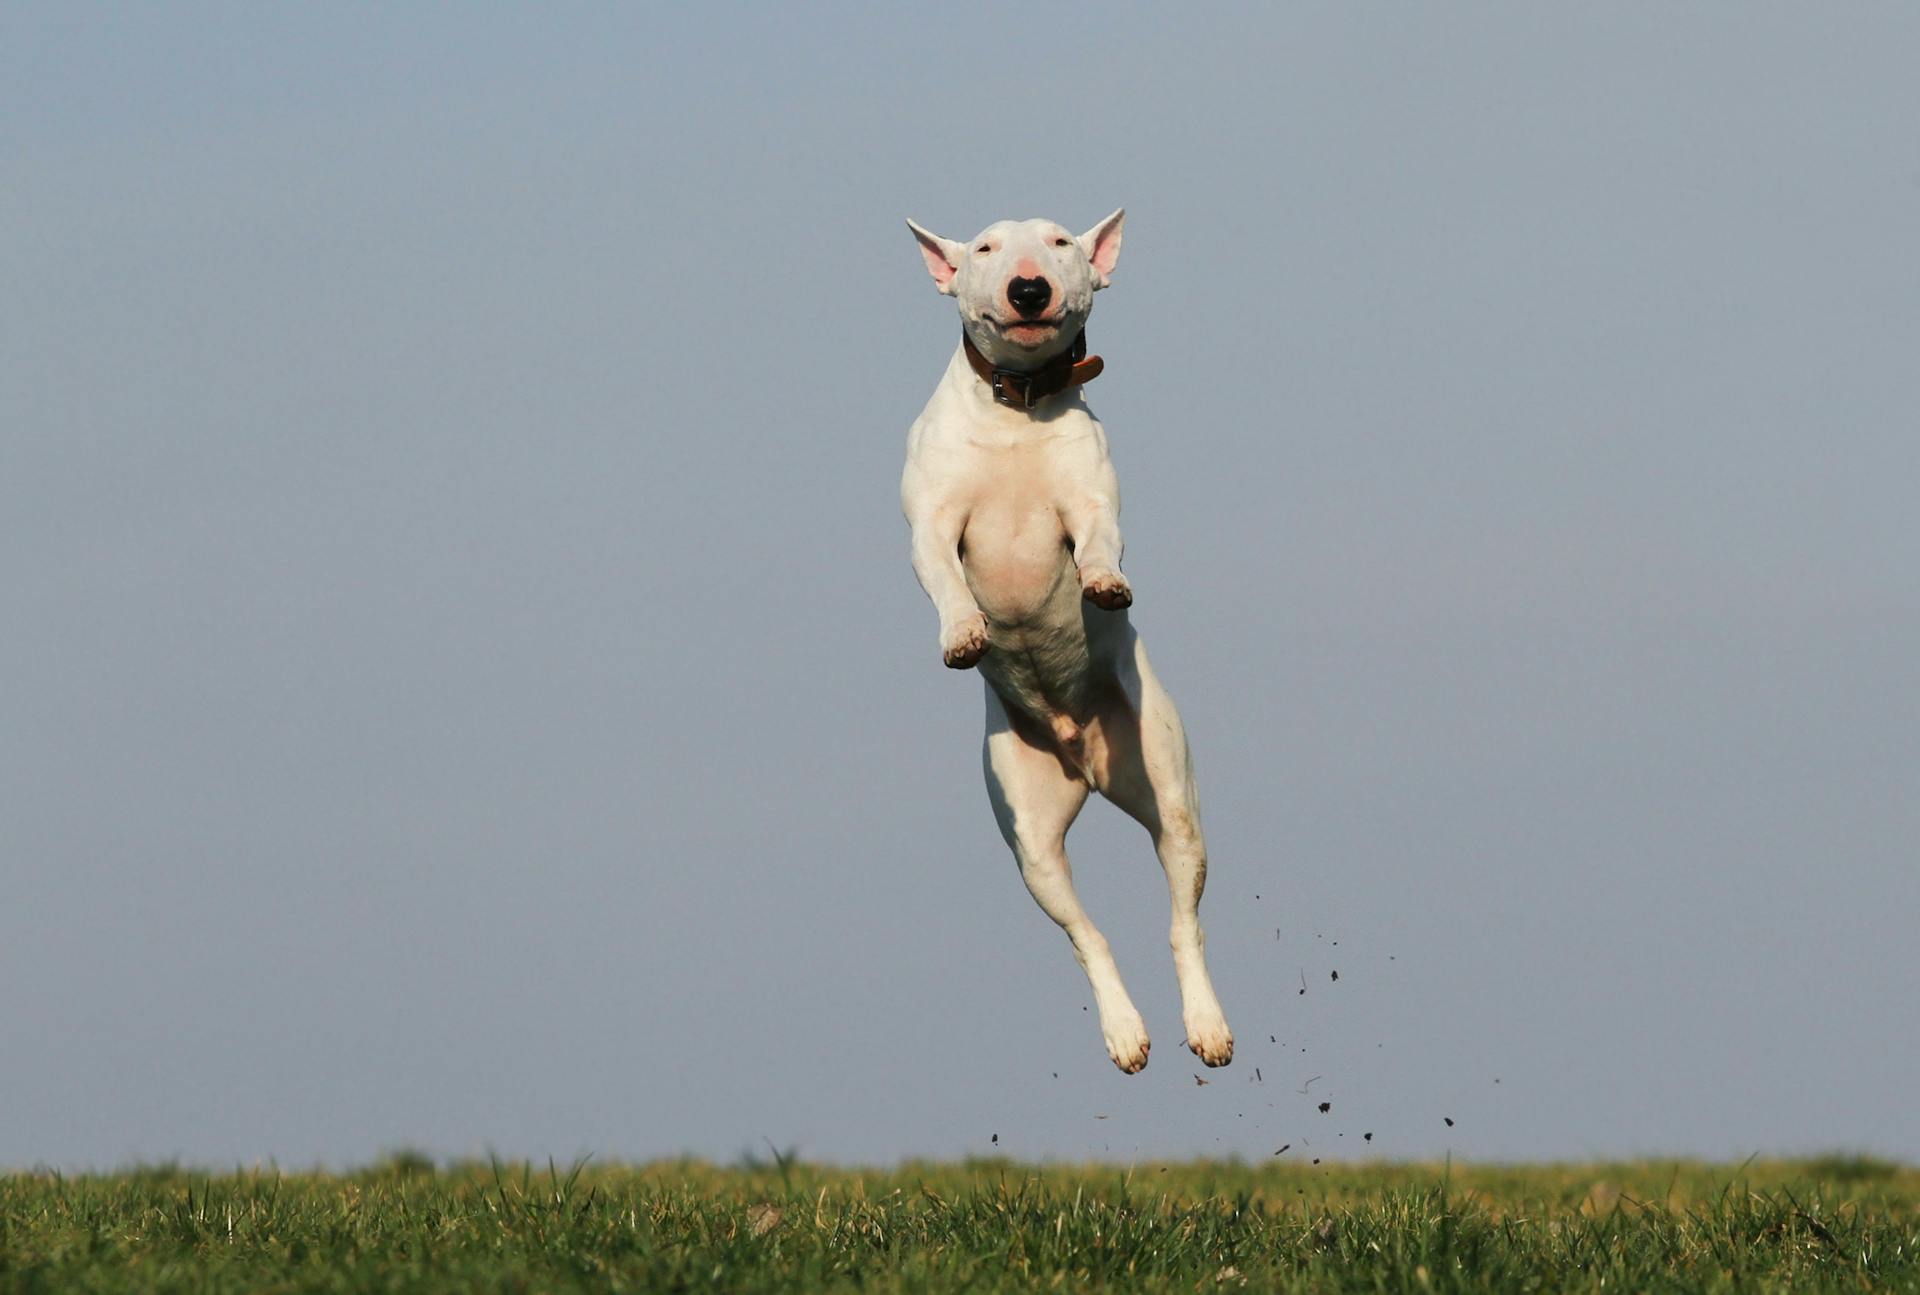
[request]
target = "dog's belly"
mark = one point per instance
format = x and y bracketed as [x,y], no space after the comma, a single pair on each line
[1042,671]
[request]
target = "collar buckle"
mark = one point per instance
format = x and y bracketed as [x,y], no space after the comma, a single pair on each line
[998,381]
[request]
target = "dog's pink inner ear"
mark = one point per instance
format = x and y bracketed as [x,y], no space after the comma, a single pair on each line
[942,256]
[1102,243]
[937,265]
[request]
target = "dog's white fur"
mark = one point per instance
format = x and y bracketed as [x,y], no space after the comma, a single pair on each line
[1016,539]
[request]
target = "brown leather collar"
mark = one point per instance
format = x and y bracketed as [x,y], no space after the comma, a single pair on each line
[1019,390]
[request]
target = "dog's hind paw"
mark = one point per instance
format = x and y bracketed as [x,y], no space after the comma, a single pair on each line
[1127,1044]
[962,646]
[1106,588]
[1212,1041]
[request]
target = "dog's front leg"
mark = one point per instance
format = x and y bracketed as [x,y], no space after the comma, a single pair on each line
[1093,524]
[936,561]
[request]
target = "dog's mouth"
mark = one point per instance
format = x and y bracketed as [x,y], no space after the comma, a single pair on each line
[1021,330]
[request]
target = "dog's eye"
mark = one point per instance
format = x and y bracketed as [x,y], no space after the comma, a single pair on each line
[983,248]
[1063,242]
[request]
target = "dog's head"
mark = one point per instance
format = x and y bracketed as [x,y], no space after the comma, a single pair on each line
[1025,287]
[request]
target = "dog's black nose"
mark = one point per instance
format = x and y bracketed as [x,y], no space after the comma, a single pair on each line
[1029,296]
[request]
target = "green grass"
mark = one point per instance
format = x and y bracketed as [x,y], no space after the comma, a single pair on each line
[1830,1224]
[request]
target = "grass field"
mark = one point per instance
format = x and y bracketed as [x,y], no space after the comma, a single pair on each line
[1835,1224]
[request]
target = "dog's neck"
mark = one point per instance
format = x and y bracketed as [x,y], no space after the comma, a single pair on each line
[1023,389]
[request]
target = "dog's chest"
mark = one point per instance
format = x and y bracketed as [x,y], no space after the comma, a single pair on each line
[1014,548]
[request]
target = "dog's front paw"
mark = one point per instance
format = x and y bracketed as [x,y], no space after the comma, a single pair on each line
[1106,588]
[964,643]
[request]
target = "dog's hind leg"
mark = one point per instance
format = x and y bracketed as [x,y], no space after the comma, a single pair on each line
[1148,772]
[1036,798]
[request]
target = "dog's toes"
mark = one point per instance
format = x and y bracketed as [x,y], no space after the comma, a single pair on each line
[1107,590]
[1211,1041]
[1128,1045]
[962,646]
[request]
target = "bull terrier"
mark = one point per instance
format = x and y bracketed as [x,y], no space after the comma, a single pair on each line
[1015,512]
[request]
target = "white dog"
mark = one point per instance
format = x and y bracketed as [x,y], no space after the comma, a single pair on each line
[1016,538]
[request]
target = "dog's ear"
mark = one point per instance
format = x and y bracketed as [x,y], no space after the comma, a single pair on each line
[1102,246]
[943,257]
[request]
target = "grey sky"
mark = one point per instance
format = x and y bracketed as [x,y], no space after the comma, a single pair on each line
[465,687]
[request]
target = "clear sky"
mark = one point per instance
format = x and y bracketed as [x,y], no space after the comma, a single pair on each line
[464,687]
